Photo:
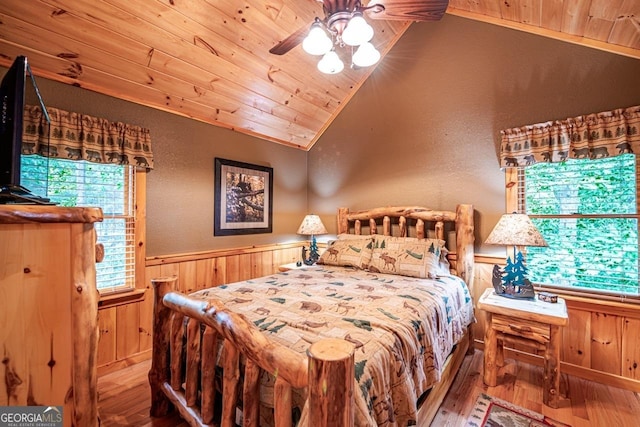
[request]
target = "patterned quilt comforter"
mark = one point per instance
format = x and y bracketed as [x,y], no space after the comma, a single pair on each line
[403,327]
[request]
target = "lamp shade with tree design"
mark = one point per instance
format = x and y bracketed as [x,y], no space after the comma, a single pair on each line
[515,230]
[311,226]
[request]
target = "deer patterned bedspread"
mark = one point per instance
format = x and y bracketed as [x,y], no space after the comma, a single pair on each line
[403,327]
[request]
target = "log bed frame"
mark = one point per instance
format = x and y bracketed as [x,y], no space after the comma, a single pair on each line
[329,399]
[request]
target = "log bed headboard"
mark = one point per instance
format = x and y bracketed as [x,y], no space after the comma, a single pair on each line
[461,256]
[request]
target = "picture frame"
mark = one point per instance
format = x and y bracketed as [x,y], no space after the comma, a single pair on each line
[243,198]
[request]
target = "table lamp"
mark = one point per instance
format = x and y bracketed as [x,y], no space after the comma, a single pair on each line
[514,230]
[311,226]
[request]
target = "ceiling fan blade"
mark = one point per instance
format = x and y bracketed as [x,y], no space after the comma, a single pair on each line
[409,10]
[291,41]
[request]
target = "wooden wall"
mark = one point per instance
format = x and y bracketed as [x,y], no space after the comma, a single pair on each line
[601,342]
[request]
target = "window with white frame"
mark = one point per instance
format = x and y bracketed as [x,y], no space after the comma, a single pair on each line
[108,186]
[587,210]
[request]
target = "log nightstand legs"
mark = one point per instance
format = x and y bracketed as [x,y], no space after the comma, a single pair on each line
[490,355]
[530,323]
[551,391]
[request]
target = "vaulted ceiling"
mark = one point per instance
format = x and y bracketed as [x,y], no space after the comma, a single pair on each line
[209,60]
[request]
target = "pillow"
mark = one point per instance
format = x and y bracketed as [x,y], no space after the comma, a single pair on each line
[408,256]
[349,253]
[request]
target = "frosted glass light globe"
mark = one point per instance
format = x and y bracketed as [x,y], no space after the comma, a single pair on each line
[331,63]
[317,42]
[357,31]
[366,55]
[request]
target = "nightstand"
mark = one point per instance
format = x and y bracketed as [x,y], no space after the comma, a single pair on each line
[291,266]
[532,323]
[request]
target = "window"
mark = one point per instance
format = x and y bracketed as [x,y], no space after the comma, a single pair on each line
[108,186]
[587,212]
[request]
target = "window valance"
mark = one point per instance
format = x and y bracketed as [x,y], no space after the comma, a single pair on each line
[76,136]
[593,136]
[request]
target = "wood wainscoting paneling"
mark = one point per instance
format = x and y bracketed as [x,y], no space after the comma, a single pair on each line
[601,342]
[126,328]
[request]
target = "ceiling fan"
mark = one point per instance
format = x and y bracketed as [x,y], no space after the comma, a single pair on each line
[338,14]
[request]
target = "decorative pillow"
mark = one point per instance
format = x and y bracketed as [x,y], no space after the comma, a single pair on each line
[350,253]
[407,256]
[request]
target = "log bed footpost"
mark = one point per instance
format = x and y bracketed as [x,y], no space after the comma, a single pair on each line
[331,378]
[159,372]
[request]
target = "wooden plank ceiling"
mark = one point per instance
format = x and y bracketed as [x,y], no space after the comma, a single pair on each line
[210,60]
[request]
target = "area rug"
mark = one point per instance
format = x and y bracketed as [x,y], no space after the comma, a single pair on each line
[493,412]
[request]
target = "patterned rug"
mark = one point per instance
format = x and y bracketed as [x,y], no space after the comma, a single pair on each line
[493,412]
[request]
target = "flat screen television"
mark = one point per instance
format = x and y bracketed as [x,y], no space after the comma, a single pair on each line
[12,96]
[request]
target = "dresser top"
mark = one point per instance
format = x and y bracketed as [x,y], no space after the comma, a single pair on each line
[31,214]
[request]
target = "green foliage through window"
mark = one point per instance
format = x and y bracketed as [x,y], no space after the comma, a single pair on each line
[108,186]
[587,212]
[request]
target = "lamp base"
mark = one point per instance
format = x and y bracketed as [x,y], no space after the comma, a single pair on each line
[313,256]
[513,290]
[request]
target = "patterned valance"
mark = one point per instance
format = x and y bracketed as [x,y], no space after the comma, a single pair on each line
[593,136]
[76,136]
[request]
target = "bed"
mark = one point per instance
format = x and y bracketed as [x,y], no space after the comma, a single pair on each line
[372,335]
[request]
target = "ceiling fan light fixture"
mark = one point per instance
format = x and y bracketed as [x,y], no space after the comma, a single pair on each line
[317,42]
[358,31]
[331,63]
[366,55]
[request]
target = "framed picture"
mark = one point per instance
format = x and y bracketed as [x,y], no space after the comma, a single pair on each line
[243,198]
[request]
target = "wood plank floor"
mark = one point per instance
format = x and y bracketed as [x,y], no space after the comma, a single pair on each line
[124,397]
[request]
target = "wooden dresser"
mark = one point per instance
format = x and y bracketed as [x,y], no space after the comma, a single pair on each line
[49,309]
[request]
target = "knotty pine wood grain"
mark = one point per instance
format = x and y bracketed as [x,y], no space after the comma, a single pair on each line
[230,383]
[127,340]
[576,338]
[209,346]
[331,372]
[203,60]
[606,343]
[49,301]
[210,60]
[107,343]
[611,26]
[39,214]
[630,348]
[251,394]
